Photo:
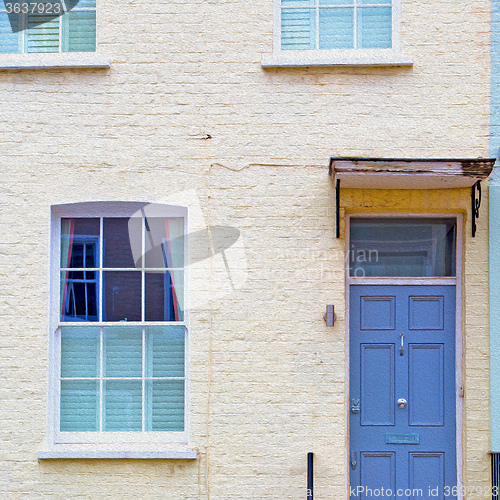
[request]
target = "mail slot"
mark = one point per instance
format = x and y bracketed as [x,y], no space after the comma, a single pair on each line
[393,438]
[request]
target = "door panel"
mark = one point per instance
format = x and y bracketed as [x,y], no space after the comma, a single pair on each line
[402,345]
[378,470]
[426,384]
[377,384]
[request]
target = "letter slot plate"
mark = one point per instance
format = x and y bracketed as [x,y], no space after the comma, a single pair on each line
[395,438]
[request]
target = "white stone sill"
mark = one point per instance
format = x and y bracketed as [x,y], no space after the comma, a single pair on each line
[104,455]
[74,60]
[279,61]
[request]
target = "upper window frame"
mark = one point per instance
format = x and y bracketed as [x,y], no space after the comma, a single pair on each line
[337,57]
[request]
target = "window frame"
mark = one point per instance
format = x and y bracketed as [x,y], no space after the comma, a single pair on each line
[103,440]
[337,57]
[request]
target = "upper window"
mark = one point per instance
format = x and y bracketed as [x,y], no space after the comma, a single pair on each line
[336,33]
[409,247]
[336,24]
[47,26]
[120,332]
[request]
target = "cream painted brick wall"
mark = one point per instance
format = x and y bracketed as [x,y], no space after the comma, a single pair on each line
[275,373]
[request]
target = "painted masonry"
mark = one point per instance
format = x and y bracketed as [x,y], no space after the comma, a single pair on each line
[186,115]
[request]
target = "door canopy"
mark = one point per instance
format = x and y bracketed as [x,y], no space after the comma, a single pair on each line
[410,173]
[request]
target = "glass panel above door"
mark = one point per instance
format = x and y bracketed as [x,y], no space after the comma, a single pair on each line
[402,247]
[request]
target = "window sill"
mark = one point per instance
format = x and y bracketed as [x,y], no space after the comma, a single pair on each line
[124,455]
[69,60]
[301,60]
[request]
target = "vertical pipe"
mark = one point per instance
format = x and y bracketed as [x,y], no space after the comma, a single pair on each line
[337,208]
[310,478]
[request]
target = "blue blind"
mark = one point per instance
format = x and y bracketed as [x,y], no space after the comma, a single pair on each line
[298,29]
[42,33]
[122,406]
[79,405]
[375,27]
[80,31]
[126,384]
[80,348]
[122,351]
[336,28]
[337,24]
[9,41]
[165,405]
[165,351]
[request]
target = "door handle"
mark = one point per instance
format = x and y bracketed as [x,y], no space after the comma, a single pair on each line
[402,348]
[401,402]
[354,460]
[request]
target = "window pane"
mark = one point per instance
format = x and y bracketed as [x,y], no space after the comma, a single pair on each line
[298,29]
[165,351]
[80,347]
[79,296]
[375,27]
[122,406]
[117,249]
[295,3]
[402,247]
[81,32]
[376,2]
[79,4]
[79,242]
[165,403]
[79,405]
[9,32]
[122,351]
[122,296]
[336,28]
[164,242]
[43,33]
[165,296]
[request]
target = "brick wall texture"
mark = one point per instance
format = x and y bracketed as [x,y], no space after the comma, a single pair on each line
[267,378]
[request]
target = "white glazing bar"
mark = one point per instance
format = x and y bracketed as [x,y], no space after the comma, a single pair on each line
[100,297]
[143,379]
[101,383]
[60,38]
[355,20]
[143,263]
[316,46]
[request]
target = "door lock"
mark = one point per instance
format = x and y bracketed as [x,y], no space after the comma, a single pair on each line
[401,402]
[354,460]
[355,406]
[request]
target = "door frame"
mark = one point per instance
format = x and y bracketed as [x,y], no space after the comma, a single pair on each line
[456,280]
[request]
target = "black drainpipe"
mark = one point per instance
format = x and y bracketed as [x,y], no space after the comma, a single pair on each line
[310,481]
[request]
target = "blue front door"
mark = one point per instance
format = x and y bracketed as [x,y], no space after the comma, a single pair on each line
[402,392]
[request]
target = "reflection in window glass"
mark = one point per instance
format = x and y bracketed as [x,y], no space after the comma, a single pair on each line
[138,262]
[402,247]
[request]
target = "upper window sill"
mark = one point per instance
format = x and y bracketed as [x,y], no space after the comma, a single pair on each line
[291,60]
[68,60]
